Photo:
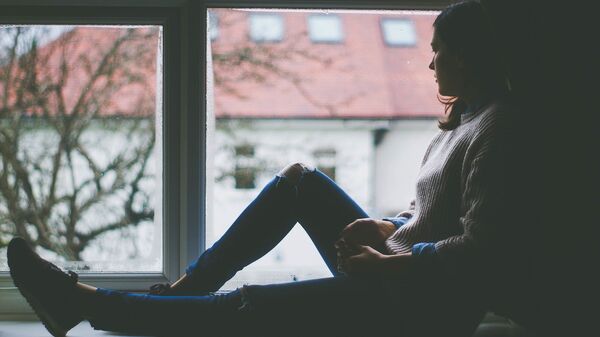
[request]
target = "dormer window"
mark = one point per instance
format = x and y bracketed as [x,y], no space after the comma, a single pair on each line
[266,27]
[325,28]
[399,32]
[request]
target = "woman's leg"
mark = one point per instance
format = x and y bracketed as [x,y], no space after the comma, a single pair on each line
[297,194]
[348,306]
[324,210]
[338,306]
[209,315]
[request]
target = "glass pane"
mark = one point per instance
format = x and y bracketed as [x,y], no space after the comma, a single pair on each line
[362,112]
[80,155]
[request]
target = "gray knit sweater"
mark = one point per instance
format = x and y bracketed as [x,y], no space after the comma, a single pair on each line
[458,186]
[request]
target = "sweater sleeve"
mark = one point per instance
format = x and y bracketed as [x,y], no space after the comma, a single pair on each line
[481,204]
[424,251]
[398,221]
[402,217]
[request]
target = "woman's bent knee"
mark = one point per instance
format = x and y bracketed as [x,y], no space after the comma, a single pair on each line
[294,172]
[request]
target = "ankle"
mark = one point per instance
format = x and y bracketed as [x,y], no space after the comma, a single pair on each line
[183,286]
[85,288]
[86,299]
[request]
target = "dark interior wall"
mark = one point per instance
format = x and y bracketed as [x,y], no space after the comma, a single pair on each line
[553,180]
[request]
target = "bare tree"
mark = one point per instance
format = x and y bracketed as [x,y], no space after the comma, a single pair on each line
[60,169]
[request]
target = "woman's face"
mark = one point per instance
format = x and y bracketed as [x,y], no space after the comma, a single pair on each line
[447,66]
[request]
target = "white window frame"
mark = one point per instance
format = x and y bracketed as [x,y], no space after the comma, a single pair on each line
[184,111]
[183,125]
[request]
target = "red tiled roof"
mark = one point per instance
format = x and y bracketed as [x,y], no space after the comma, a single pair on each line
[81,50]
[358,78]
[365,79]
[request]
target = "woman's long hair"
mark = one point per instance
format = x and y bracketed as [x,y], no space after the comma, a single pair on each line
[465,28]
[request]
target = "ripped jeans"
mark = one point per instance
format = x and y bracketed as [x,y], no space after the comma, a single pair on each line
[321,207]
[340,305]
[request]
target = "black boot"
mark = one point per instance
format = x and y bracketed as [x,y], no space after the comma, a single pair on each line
[50,291]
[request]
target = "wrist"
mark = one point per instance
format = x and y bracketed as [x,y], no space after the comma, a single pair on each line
[390,227]
[397,264]
[394,258]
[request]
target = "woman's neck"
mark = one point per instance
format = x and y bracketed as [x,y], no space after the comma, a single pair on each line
[476,95]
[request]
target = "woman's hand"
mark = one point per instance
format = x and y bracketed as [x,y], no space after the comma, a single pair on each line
[366,260]
[359,259]
[368,232]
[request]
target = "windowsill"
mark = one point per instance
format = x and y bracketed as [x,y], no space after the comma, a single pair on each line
[37,329]
[491,326]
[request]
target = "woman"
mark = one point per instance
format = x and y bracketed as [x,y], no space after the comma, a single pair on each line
[420,273]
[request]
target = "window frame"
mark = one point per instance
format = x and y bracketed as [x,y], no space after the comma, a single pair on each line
[183,116]
[184,111]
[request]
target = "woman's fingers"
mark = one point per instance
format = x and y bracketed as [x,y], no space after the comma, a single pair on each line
[354,230]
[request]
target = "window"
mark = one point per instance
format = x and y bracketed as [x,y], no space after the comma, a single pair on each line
[325,161]
[113,168]
[80,170]
[398,32]
[320,104]
[213,25]
[266,27]
[245,168]
[325,28]
[180,136]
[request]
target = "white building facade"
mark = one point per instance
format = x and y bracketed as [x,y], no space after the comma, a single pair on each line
[375,161]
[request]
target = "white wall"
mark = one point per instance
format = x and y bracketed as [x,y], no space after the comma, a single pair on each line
[277,144]
[398,159]
[380,179]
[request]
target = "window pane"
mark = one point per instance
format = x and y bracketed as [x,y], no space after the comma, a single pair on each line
[266,27]
[399,32]
[325,28]
[359,111]
[80,155]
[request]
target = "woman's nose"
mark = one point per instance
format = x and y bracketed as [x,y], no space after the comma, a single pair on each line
[431,66]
